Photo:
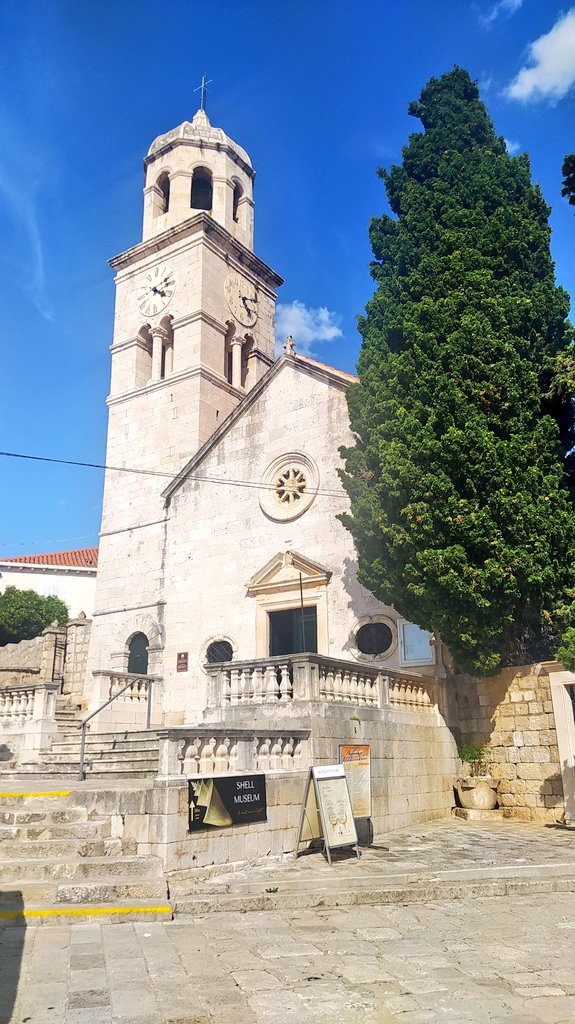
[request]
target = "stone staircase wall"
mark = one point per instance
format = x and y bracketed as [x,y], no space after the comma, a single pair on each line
[67,856]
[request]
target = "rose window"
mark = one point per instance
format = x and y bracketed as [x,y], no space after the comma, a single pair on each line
[291,485]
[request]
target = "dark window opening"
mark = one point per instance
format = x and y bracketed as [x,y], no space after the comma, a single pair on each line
[293,631]
[219,650]
[138,654]
[238,192]
[164,187]
[201,190]
[374,638]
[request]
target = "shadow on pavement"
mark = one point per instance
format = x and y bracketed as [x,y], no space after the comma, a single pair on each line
[12,933]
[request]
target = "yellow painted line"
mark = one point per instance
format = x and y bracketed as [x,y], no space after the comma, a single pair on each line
[40,792]
[84,911]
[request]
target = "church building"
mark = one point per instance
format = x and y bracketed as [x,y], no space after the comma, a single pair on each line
[220,540]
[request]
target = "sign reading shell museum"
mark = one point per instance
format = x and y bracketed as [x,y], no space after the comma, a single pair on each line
[226,800]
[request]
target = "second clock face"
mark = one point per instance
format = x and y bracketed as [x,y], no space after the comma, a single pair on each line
[242,299]
[156,290]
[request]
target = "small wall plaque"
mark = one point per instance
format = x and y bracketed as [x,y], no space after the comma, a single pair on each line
[182,662]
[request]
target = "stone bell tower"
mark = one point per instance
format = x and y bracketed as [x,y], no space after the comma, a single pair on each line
[193,332]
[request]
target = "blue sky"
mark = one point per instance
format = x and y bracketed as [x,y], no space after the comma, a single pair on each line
[317,92]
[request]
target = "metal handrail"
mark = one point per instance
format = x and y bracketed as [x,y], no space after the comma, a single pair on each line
[81,772]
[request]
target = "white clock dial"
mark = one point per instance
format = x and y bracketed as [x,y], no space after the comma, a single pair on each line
[242,299]
[156,290]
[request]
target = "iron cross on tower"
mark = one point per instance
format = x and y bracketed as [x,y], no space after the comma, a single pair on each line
[202,89]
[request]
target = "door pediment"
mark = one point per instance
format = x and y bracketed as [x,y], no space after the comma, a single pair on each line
[285,571]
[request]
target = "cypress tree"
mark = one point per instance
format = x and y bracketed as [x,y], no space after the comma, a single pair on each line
[461,508]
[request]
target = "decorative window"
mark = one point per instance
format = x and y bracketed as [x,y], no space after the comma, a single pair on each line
[374,639]
[217,649]
[416,646]
[289,486]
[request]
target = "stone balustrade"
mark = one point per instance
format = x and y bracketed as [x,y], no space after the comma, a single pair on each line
[21,704]
[412,694]
[187,751]
[138,706]
[313,677]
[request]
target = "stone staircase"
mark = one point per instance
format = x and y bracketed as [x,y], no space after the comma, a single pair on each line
[60,860]
[125,754]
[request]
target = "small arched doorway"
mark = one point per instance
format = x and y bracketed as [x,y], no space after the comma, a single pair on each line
[138,654]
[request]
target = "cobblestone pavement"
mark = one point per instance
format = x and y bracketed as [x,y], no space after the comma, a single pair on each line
[509,959]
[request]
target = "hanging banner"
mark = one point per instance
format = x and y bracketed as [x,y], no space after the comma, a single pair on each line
[355,758]
[226,800]
[326,811]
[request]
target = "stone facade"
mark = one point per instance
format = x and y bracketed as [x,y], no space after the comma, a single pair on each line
[20,663]
[513,713]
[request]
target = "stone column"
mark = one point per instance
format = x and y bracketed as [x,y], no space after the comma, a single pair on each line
[159,338]
[237,362]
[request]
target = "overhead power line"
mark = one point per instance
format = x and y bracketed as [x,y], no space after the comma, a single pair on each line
[156,472]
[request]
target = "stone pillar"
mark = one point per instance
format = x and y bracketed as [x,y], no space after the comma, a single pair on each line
[237,362]
[77,641]
[53,652]
[159,338]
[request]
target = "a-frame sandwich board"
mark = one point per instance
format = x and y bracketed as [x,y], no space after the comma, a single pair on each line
[326,812]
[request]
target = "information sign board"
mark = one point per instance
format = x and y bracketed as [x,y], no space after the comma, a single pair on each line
[355,758]
[326,811]
[226,800]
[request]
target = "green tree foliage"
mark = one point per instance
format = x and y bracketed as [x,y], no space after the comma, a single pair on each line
[568,172]
[24,614]
[461,509]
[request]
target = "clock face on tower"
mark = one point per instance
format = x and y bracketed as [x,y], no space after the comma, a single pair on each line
[156,290]
[242,299]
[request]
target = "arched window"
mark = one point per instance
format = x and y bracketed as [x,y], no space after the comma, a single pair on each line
[167,348]
[238,193]
[201,189]
[163,184]
[138,654]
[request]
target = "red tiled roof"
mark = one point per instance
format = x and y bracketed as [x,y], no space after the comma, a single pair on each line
[325,366]
[84,558]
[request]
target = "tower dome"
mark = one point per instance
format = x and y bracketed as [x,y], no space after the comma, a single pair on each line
[193,168]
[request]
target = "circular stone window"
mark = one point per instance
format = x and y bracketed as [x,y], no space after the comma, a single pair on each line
[374,639]
[289,486]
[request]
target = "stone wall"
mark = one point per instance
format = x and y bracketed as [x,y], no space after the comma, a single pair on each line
[20,663]
[513,713]
[77,644]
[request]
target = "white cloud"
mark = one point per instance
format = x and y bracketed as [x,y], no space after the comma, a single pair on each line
[552,59]
[307,326]
[503,7]
[512,147]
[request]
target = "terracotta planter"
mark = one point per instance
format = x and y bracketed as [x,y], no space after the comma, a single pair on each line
[478,794]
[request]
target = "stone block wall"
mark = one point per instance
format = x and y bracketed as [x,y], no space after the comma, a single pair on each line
[77,644]
[513,713]
[20,663]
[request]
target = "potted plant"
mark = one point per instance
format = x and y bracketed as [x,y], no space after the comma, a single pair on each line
[476,789]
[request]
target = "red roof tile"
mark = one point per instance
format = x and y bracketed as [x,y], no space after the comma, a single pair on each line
[84,558]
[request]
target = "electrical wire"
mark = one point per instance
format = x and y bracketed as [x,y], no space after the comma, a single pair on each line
[156,472]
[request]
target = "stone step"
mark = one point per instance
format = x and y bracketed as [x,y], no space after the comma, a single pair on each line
[30,870]
[69,769]
[49,849]
[34,814]
[305,897]
[117,756]
[97,890]
[43,830]
[93,743]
